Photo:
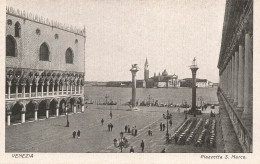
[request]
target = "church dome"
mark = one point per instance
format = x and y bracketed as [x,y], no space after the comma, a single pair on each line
[165,73]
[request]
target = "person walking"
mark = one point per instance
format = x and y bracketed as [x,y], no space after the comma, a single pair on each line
[78,134]
[142,146]
[111,127]
[74,134]
[108,127]
[126,129]
[132,150]
[111,114]
[163,127]
[135,131]
[170,122]
[102,121]
[129,131]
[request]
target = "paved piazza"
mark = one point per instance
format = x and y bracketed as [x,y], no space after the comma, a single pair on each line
[51,135]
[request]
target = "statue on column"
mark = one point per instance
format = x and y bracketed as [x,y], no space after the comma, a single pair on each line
[194,61]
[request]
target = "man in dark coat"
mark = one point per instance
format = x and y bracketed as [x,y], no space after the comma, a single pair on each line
[170,122]
[135,131]
[111,126]
[78,134]
[163,127]
[74,134]
[129,131]
[142,145]
[102,121]
[111,114]
[126,128]
[108,127]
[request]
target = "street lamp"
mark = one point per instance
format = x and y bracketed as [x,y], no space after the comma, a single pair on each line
[167,117]
[123,143]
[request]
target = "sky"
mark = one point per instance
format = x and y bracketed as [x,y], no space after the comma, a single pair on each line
[119,33]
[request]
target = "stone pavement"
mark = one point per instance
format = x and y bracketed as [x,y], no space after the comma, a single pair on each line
[51,135]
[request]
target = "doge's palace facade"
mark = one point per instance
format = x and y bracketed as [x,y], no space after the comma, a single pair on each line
[44,67]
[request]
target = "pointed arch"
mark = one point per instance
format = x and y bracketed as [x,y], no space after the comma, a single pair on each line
[17,28]
[11,48]
[69,56]
[44,52]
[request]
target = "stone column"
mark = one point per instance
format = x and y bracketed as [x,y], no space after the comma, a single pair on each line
[53,89]
[71,92]
[236,79]
[47,113]
[74,108]
[35,114]
[16,91]
[241,78]
[36,90]
[30,90]
[23,90]
[42,88]
[227,76]
[75,87]
[82,105]
[48,88]
[233,77]
[82,91]
[194,69]
[134,70]
[79,88]
[9,90]
[62,89]
[230,79]
[67,88]
[248,76]
[23,116]
[58,89]
[57,111]
[8,119]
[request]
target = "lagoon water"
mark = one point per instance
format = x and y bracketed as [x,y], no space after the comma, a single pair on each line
[164,95]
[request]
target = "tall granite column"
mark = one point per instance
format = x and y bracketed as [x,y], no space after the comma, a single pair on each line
[134,69]
[194,69]
[248,76]
[241,78]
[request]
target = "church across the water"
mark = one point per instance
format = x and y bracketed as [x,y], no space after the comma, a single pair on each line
[161,80]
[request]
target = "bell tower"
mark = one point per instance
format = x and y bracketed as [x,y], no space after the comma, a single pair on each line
[146,70]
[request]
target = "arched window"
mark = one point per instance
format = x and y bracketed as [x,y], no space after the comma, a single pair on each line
[44,52]
[69,56]
[17,29]
[10,46]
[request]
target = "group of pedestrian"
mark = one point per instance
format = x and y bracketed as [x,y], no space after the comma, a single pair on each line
[128,130]
[162,127]
[134,131]
[74,134]
[110,127]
